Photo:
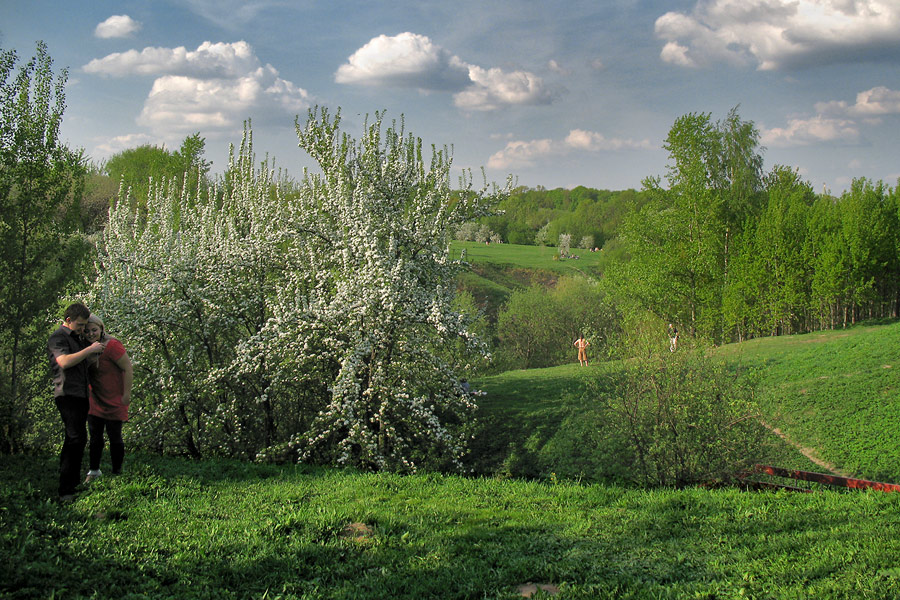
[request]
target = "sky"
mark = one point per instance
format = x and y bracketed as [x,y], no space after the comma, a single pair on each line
[556,93]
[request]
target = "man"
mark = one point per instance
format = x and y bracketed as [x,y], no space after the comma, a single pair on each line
[673,338]
[582,345]
[68,352]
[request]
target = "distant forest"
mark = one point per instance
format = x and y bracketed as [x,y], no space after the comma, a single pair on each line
[723,248]
[537,216]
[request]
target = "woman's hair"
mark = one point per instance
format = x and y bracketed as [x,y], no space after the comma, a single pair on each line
[95,319]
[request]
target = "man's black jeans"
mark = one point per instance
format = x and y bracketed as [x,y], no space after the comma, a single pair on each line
[73,411]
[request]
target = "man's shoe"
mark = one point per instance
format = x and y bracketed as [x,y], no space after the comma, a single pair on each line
[92,475]
[67,498]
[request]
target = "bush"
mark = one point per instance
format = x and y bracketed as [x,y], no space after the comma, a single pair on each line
[680,419]
[538,326]
[667,419]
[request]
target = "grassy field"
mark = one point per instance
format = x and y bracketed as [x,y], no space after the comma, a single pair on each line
[540,258]
[528,519]
[836,392]
[174,528]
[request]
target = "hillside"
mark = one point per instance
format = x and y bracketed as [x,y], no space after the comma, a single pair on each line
[834,394]
[498,269]
[174,528]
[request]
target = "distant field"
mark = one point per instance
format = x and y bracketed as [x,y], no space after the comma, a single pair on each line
[528,257]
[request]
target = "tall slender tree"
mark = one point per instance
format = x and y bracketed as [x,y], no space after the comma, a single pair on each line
[39,178]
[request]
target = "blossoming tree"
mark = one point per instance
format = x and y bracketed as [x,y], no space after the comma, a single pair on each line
[313,319]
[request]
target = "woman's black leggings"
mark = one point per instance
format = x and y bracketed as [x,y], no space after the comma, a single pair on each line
[116,444]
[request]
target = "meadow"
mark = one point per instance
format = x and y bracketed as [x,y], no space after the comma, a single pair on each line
[175,528]
[542,258]
[530,519]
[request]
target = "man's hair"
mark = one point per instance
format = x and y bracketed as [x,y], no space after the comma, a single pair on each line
[76,310]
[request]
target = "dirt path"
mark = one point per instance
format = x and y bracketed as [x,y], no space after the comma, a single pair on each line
[807,452]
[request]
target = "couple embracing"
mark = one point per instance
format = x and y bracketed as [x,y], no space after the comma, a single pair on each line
[92,377]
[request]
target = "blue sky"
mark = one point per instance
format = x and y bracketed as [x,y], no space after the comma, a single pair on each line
[557,93]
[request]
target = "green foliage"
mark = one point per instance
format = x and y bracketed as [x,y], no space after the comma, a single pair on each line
[538,325]
[137,168]
[219,529]
[729,253]
[679,419]
[40,253]
[539,216]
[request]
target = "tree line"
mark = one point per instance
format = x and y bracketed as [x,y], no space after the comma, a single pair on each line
[730,252]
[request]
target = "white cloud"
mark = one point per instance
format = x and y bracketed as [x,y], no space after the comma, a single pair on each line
[818,129]
[518,154]
[874,102]
[123,142]
[182,104]
[215,87]
[208,60]
[558,68]
[492,89]
[414,61]
[117,26]
[775,34]
[595,142]
[405,60]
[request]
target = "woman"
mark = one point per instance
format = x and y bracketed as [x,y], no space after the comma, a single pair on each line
[110,377]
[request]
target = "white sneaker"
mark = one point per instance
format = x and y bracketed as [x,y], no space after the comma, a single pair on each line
[92,475]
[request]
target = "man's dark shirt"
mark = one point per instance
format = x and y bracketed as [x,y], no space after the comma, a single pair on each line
[74,380]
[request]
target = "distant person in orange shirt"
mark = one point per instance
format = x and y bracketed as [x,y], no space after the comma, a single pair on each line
[582,345]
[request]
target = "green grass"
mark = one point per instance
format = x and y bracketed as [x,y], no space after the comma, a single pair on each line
[837,392]
[173,528]
[523,426]
[217,529]
[528,257]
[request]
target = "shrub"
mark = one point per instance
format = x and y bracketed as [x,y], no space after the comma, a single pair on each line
[680,419]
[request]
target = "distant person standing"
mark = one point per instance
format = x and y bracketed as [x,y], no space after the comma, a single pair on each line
[582,345]
[68,352]
[111,376]
[673,338]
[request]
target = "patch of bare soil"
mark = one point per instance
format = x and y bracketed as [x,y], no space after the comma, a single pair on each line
[357,532]
[527,590]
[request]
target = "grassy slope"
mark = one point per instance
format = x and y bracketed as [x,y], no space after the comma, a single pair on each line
[499,269]
[836,392]
[217,529]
